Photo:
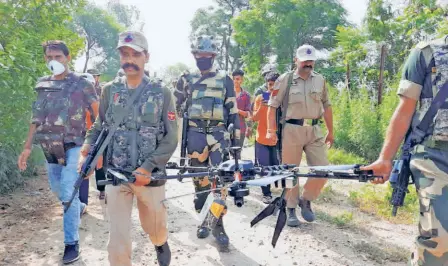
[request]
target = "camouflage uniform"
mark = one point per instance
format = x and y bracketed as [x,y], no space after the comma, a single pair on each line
[425,71]
[213,108]
[59,114]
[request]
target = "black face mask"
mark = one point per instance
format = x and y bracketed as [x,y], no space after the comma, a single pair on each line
[204,63]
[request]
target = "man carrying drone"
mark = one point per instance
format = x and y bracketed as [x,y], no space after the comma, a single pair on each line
[210,107]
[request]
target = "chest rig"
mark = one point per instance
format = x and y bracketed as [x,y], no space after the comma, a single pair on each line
[141,130]
[207,98]
[59,115]
[436,50]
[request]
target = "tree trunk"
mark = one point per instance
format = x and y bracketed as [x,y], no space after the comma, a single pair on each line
[381,78]
[347,76]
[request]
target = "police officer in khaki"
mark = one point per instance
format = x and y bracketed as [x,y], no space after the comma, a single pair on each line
[303,98]
[143,143]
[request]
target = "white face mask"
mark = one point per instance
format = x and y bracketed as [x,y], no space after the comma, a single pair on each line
[55,67]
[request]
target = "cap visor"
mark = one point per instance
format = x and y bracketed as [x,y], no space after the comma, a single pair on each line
[135,47]
[307,58]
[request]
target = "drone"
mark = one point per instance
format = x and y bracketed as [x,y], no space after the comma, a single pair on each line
[234,177]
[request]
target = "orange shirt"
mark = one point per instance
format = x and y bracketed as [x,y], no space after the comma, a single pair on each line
[260,115]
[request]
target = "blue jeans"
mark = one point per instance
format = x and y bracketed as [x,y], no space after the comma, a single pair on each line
[62,180]
[266,156]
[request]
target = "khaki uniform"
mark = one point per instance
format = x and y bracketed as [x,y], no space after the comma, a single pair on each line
[307,100]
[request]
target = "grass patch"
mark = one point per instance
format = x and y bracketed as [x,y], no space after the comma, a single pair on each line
[336,156]
[341,220]
[375,200]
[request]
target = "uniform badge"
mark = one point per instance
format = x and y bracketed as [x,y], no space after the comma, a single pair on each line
[308,51]
[171,116]
[128,38]
[116,98]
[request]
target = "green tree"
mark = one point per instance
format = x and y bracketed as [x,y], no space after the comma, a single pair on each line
[24,25]
[215,21]
[100,30]
[173,72]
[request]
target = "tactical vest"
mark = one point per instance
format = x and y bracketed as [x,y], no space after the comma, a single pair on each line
[59,115]
[140,132]
[207,98]
[438,51]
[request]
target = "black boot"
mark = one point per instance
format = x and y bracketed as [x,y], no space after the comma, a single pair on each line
[292,218]
[221,237]
[163,254]
[307,212]
[199,202]
[202,232]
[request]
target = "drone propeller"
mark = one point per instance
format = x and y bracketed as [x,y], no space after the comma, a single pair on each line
[346,167]
[264,181]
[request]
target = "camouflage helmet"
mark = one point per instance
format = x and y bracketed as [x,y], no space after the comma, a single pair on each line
[268,68]
[204,44]
[93,72]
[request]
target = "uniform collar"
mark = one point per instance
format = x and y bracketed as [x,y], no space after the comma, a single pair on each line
[296,76]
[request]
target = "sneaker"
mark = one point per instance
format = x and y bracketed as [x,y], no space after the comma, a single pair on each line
[71,253]
[267,199]
[83,209]
[307,212]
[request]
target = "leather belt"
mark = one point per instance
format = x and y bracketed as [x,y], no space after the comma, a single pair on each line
[207,130]
[301,122]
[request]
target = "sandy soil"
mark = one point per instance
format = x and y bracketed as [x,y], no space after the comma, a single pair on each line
[31,233]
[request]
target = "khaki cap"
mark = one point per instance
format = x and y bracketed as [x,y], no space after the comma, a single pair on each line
[133,39]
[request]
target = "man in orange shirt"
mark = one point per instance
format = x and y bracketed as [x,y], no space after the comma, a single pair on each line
[265,149]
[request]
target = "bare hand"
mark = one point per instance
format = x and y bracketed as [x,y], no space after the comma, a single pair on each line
[272,136]
[381,168]
[23,158]
[142,177]
[83,156]
[329,140]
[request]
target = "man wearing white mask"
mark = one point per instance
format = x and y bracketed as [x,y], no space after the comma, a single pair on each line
[58,125]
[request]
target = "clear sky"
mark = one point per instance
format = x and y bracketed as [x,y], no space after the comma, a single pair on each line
[167,27]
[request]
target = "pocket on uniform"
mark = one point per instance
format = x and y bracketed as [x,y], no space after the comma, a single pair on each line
[149,113]
[296,97]
[316,96]
[147,142]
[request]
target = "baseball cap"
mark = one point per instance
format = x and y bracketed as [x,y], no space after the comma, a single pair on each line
[306,52]
[133,39]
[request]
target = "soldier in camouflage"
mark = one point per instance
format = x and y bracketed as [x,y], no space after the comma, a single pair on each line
[424,73]
[211,107]
[58,125]
[143,143]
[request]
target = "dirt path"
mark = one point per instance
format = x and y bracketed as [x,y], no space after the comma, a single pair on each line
[31,233]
